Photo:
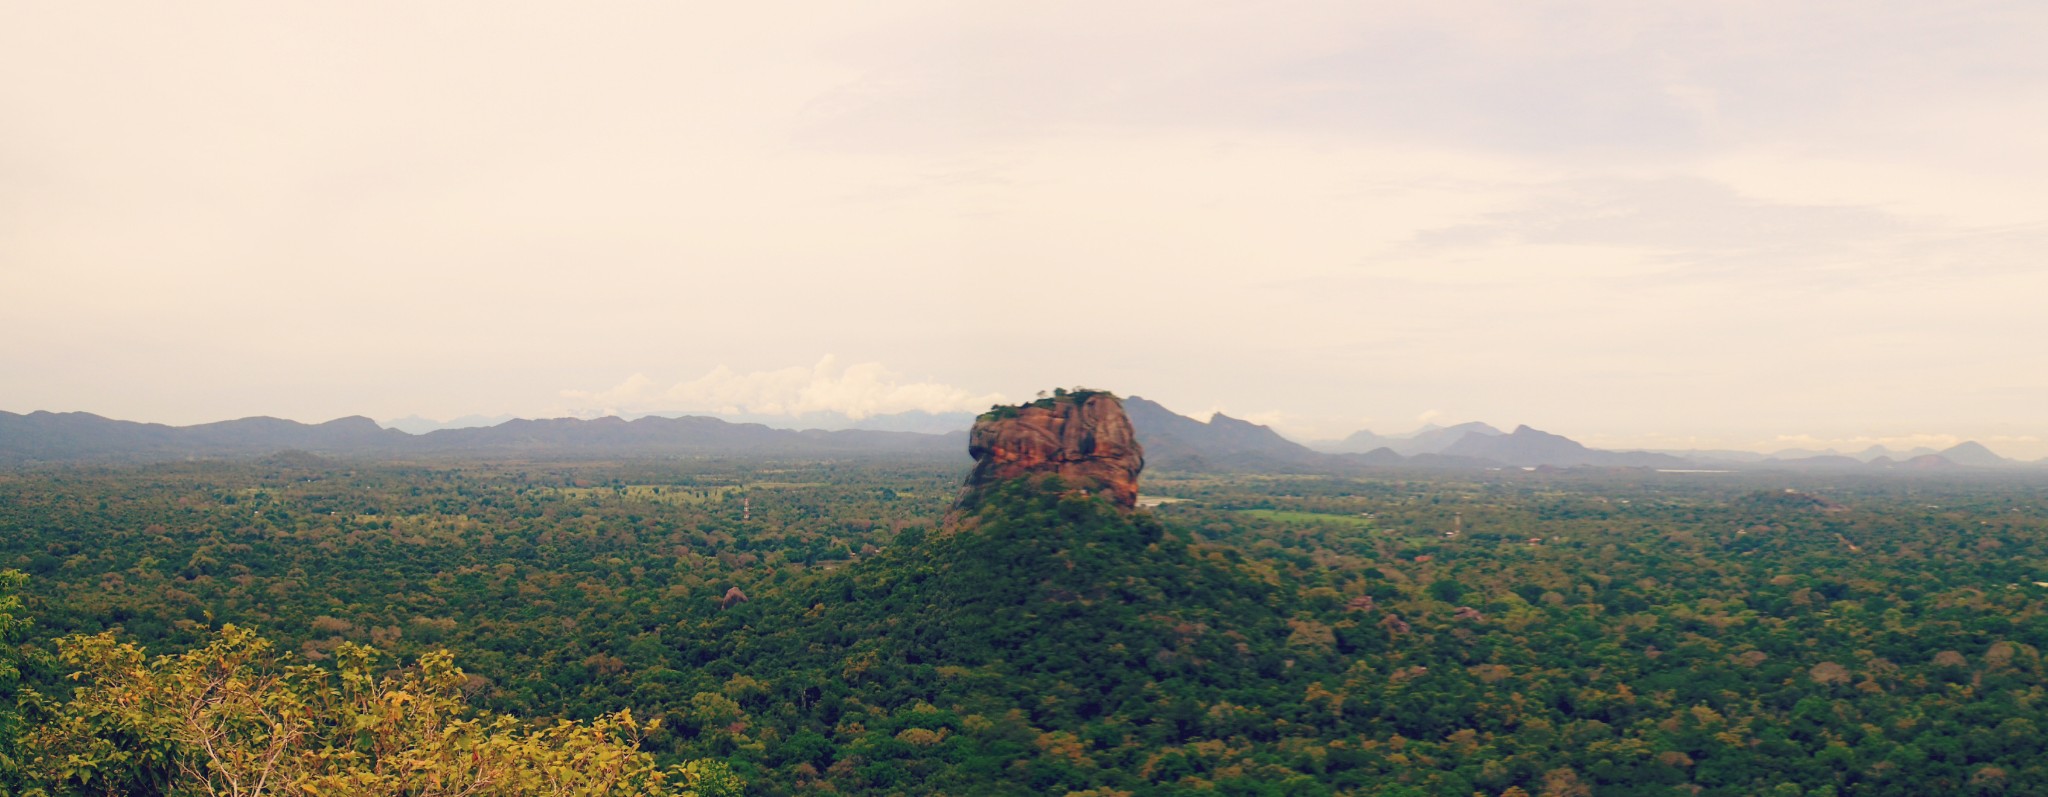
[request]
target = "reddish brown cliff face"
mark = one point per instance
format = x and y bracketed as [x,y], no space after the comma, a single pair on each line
[1083,438]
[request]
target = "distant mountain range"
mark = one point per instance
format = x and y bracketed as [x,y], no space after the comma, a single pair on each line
[1969,454]
[1172,442]
[79,436]
[1524,447]
[914,421]
[1177,442]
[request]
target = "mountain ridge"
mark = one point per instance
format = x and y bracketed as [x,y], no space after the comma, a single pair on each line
[1171,441]
[84,437]
[1177,442]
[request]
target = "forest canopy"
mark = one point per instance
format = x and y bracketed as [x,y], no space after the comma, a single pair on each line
[1610,633]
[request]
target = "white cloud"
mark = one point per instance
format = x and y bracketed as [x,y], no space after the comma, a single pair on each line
[856,391]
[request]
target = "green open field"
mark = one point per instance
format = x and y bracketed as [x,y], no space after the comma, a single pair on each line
[1285,516]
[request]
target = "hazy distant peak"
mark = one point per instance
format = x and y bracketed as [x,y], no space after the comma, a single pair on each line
[1359,442]
[1971,453]
[1442,438]
[414,424]
[1528,446]
[251,421]
[1452,431]
[1429,439]
[1930,462]
[79,414]
[1220,419]
[1149,404]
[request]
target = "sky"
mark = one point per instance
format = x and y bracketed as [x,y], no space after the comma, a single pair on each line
[1674,225]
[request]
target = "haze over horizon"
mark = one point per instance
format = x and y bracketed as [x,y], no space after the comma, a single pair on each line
[1751,226]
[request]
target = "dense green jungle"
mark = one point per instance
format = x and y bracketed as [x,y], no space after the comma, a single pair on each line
[708,626]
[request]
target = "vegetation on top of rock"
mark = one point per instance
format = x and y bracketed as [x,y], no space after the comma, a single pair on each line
[1044,401]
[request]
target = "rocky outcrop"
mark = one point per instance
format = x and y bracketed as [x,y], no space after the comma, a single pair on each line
[733,597]
[1082,437]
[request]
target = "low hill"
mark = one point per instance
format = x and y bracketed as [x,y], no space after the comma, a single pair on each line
[1045,606]
[988,657]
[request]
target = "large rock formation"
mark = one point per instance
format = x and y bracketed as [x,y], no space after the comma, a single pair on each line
[1082,437]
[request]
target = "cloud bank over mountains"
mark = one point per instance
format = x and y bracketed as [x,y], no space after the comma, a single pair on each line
[856,391]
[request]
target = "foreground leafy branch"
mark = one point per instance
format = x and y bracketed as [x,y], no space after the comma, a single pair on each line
[234,718]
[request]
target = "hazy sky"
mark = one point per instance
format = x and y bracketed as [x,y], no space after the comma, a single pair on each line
[1669,224]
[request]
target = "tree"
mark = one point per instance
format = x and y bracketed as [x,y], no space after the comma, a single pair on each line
[13,625]
[235,718]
